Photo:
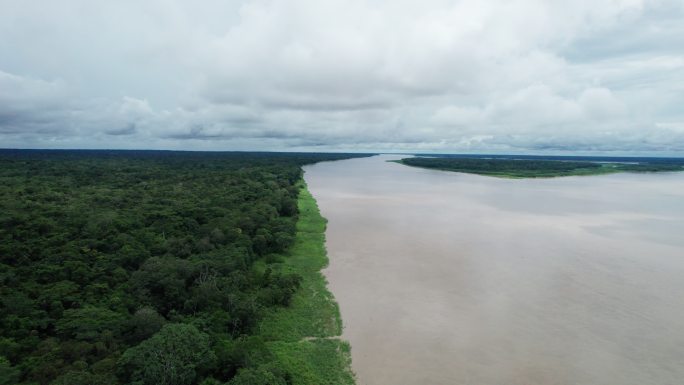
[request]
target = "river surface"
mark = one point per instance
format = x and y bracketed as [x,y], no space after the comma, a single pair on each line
[450,278]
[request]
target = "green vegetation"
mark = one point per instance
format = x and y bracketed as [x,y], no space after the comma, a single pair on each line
[312,311]
[144,268]
[526,168]
[300,334]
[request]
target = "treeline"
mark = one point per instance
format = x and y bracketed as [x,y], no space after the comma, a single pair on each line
[535,168]
[137,267]
[520,168]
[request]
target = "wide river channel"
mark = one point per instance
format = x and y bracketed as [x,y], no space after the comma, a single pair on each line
[449,278]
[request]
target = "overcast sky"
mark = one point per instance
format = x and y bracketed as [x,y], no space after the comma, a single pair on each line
[530,76]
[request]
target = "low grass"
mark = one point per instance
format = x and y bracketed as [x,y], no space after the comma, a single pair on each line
[303,335]
[316,362]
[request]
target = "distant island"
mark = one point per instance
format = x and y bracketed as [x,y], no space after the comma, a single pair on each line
[541,167]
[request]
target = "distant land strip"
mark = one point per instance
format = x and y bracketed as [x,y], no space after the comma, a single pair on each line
[538,167]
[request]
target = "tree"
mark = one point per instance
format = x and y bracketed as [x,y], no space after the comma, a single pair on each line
[256,376]
[89,323]
[145,323]
[162,282]
[83,378]
[173,356]
[8,374]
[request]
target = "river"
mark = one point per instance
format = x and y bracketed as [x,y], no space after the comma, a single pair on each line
[450,278]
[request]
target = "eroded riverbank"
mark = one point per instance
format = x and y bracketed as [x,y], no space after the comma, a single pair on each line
[452,278]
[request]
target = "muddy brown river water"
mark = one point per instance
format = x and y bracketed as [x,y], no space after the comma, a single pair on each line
[449,278]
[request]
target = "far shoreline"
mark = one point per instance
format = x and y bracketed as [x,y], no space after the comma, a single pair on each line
[524,168]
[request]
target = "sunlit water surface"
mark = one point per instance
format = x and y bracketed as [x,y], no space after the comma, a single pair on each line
[449,278]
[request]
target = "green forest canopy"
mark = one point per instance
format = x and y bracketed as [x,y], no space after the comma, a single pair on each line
[121,267]
[534,168]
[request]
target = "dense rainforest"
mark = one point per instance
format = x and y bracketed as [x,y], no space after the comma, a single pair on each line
[138,267]
[538,167]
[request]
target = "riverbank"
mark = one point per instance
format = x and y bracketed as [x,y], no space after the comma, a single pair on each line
[519,168]
[305,335]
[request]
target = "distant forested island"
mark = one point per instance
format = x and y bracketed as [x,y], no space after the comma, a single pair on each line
[543,167]
[158,267]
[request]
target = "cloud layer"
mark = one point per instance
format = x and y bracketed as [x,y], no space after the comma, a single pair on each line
[435,75]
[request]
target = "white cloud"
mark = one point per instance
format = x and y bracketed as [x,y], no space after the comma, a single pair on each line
[600,104]
[446,75]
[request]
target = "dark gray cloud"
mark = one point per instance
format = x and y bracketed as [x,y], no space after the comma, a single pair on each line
[130,129]
[435,75]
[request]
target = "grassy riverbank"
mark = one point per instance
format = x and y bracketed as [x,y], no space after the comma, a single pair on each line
[523,168]
[305,335]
